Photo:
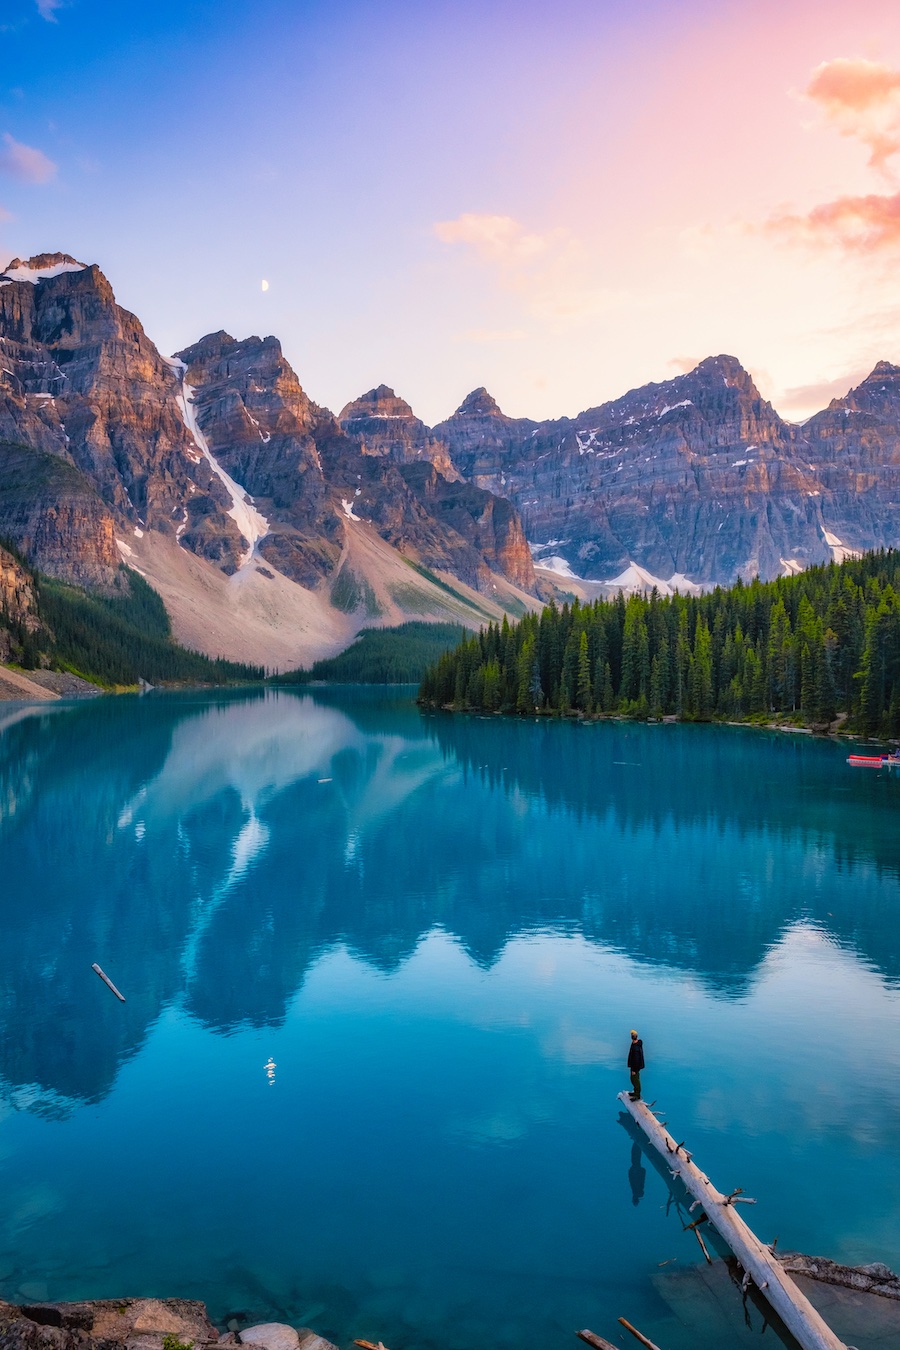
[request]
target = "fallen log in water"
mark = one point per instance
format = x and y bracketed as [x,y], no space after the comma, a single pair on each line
[107,981]
[759,1264]
[590,1338]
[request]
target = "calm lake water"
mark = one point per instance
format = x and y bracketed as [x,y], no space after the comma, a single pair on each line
[381,969]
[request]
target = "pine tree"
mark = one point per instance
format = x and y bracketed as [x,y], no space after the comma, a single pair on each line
[583,692]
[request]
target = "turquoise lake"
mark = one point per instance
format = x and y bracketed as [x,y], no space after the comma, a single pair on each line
[381,969]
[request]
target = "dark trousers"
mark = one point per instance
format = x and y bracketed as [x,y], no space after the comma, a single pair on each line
[636,1083]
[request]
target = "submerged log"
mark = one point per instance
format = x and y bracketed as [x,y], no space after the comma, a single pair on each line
[107,981]
[590,1338]
[638,1336]
[794,1308]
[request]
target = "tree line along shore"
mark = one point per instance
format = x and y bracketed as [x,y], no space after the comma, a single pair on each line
[808,648]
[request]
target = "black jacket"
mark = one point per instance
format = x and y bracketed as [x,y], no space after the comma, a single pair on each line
[636,1055]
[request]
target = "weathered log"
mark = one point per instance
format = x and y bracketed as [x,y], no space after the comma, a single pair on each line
[637,1335]
[597,1342]
[795,1310]
[106,980]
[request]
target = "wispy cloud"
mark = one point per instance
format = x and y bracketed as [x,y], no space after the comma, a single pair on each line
[683,365]
[47,9]
[499,239]
[25,162]
[869,224]
[550,271]
[806,398]
[862,100]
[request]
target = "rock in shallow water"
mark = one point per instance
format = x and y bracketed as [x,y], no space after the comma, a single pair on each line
[271,1336]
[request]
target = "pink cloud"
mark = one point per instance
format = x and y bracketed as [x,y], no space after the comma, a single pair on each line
[806,397]
[862,100]
[868,224]
[25,162]
[498,239]
[47,9]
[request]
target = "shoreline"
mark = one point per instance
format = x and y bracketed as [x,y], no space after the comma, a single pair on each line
[834,731]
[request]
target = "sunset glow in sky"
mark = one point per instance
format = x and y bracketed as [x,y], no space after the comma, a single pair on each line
[556,202]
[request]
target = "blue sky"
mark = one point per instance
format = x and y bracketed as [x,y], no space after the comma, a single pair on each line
[557,203]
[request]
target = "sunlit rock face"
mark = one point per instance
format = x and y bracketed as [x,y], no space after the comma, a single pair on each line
[82,382]
[383,424]
[105,438]
[263,428]
[697,476]
[693,480]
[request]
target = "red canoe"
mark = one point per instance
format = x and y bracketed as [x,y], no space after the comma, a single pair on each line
[873,761]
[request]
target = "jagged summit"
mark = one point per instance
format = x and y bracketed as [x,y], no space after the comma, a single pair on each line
[377,403]
[41,267]
[878,395]
[479,403]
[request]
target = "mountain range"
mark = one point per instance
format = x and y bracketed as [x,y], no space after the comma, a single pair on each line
[274,529]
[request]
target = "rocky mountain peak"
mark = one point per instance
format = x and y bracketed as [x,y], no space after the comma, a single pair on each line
[41,267]
[728,369]
[377,403]
[386,426]
[878,395]
[479,404]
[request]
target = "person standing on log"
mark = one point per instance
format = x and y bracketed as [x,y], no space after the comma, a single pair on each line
[635,1064]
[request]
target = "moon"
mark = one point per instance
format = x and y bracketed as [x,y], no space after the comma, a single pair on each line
[265,285]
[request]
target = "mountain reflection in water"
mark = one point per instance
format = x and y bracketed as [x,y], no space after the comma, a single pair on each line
[380,970]
[209,850]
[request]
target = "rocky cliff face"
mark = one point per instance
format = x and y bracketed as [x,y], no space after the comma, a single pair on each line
[17,598]
[309,473]
[853,450]
[383,424]
[697,477]
[81,381]
[265,431]
[221,450]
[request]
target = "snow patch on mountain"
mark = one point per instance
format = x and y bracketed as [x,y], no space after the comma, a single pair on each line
[558,566]
[636,578]
[252,524]
[839,550]
[35,274]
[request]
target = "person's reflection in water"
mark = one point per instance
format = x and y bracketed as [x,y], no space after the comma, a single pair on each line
[637,1174]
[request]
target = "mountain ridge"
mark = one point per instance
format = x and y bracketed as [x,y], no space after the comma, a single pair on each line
[219,454]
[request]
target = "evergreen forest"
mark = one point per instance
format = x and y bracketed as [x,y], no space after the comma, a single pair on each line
[807,648]
[112,640]
[398,655]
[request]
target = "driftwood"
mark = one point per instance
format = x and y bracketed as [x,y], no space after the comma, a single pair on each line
[106,980]
[597,1342]
[799,1316]
[637,1335]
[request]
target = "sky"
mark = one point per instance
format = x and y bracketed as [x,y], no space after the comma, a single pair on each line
[557,202]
